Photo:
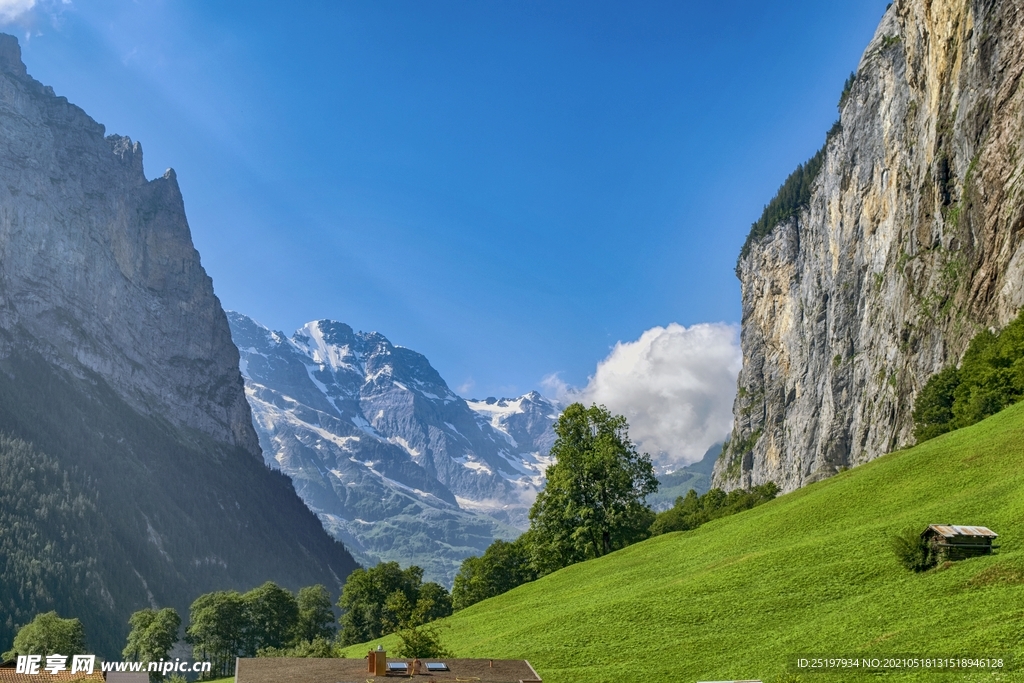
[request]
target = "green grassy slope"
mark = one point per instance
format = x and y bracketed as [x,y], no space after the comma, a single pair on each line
[811,572]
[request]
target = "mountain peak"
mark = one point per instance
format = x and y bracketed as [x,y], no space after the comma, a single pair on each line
[10,56]
[382,449]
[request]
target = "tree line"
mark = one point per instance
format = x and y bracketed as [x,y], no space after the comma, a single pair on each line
[794,194]
[269,621]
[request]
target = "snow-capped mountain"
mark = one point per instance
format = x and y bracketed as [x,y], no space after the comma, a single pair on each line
[394,463]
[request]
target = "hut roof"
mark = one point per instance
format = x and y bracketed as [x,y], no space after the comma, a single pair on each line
[953,530]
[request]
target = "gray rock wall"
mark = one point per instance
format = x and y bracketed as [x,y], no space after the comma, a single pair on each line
[97,267]
[910,245]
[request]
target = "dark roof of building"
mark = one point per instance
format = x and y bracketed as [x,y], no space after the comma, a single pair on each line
[953,530]
[298,670]
[10,675]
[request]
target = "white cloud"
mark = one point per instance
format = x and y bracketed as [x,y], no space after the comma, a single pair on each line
[31,14]
[675,385]
[555,387]
[11,10]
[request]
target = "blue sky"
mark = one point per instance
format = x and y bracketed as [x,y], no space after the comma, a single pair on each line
[509,188]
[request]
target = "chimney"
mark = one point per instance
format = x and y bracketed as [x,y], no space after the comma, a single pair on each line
[381,663]
[371,666]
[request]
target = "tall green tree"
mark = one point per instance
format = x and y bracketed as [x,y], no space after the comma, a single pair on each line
[385,598]
[593,502]
[271,617]
[432,602]
[216,630]
[153,634]
[48,634]
[316,618]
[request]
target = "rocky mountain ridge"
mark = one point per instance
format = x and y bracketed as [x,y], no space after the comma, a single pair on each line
[911,242]
[393,462]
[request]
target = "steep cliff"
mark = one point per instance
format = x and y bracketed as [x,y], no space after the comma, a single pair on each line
[98,268]
[910,243]
[132,472]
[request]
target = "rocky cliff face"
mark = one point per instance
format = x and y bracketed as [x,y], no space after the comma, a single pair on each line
[911,242]
[130,472]
[97,267]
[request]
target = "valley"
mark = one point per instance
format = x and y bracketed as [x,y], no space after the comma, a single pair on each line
[810,573]
[157,450]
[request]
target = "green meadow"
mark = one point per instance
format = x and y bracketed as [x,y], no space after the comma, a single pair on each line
[810,573]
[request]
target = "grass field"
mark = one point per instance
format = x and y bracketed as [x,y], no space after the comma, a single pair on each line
[810,573]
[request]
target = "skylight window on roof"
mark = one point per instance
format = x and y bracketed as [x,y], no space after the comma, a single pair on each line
[437,666]
[398,666]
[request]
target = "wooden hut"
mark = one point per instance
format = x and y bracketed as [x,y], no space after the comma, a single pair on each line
[955,542]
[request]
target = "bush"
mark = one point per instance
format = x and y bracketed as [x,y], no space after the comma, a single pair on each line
[422,642]
[318,648]
[913,551]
